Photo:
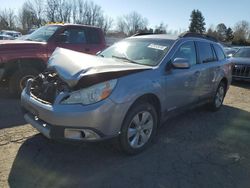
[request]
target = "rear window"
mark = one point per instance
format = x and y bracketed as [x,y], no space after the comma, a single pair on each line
[205,52]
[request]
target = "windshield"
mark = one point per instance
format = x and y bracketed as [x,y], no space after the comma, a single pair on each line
[243,52]
[43,34]
[139,50]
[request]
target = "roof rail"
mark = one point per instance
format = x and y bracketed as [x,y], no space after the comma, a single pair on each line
[198,35]
[140,34]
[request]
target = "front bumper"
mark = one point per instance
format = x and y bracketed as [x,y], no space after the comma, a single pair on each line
[103,118]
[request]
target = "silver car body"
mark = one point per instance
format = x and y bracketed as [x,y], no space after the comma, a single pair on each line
[173,88]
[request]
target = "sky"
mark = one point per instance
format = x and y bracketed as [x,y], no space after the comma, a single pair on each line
[174,13]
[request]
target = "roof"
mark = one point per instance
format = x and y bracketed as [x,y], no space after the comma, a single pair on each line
[69,24]
[175,37]
[157,36]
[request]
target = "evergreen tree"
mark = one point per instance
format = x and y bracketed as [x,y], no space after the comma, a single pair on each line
[222,31]
[197,24]
[229,35]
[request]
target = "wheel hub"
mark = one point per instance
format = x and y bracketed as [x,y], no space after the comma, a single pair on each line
[140,129]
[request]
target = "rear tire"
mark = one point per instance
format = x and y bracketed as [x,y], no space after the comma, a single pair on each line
[139,128]
[218,98]
[19,78]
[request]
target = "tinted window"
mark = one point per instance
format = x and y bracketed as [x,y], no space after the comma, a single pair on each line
[93,36]
[205,52]
[75,36]
[187,51]
[220,54]
[243,52]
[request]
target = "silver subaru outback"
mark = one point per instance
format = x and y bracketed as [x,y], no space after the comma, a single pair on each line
[127,90]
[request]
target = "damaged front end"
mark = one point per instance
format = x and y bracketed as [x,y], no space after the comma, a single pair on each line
[81,78]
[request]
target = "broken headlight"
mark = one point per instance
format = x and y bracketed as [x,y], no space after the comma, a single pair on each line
[91,94]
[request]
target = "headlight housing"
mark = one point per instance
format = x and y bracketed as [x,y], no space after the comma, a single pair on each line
[91,94]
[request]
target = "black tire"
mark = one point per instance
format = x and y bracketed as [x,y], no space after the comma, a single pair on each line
[139,111]
[18,80]
[218,98]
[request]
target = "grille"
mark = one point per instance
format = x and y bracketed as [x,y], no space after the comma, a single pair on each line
[46,87]
[240,70]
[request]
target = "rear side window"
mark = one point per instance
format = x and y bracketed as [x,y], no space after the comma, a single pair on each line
[205,52]
[93,36]
[220,54]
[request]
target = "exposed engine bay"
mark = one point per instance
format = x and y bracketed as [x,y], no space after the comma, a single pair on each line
[46,87]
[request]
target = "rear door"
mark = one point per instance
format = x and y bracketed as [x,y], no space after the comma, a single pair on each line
[208,65]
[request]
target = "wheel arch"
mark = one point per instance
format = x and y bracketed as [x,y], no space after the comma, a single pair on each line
[225,81]
[12,66]
[151,99]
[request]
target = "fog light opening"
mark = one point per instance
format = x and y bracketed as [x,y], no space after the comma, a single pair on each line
[80,134]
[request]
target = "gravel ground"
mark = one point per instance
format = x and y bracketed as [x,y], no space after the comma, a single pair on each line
[196,149]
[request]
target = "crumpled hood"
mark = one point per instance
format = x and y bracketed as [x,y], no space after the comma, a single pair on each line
[239,60]
[82,70]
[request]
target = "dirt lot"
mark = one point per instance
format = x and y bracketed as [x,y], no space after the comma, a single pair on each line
[197,149]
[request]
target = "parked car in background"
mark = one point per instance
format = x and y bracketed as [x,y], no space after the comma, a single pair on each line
[6,37]
[127,90]
[24,59]
[14,34]
[230,51]
[241,61]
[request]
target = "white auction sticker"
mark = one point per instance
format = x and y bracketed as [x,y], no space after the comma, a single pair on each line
[156,46]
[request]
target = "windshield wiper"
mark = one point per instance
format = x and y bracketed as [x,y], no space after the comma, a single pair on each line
[124,58]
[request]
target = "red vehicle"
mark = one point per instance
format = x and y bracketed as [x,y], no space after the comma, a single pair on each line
[21,60]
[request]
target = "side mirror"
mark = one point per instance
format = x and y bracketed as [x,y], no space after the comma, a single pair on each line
[62,38]
[181,63]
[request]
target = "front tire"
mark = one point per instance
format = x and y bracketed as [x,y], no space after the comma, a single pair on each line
[139,128]
[19,78]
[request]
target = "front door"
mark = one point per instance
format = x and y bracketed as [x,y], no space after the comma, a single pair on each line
[181,84]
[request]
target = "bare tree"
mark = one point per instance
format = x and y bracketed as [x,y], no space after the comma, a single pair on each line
[7,19]
[31,14]
[121,25]
[64,10]
[52,10]
[131,23]
[241,31]
[105,23]
[89,13]
[161,29]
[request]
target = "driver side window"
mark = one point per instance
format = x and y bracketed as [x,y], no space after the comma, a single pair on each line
[187,51]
